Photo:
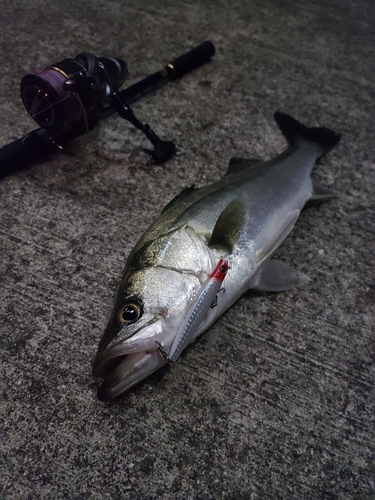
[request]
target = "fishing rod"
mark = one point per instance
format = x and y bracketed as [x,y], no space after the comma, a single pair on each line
[69,98]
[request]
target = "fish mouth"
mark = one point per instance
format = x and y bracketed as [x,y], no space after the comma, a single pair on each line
[125,364]
[122,372]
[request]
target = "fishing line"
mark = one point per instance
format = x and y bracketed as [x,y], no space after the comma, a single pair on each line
[83,109]
[47,101]
[34,116]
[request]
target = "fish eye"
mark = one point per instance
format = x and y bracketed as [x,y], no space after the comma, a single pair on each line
[128,312]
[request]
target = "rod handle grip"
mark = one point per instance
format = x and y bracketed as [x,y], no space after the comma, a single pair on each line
[22,151]
[191,60]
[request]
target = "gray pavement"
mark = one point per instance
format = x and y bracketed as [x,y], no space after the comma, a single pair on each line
[276,400]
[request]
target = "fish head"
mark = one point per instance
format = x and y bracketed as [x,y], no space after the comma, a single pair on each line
[153,298]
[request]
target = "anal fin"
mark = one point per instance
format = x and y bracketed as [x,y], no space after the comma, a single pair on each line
[277,276]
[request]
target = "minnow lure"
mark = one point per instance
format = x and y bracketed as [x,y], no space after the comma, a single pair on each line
[203,302]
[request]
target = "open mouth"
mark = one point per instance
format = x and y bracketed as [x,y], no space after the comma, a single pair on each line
[126,363]
[122,371]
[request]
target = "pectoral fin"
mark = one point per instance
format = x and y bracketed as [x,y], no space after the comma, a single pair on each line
[229,226]
[277,276]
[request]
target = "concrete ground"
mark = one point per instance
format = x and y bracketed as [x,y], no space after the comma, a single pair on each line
[276,400]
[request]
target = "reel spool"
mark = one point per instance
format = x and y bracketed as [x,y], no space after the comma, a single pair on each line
[60,94]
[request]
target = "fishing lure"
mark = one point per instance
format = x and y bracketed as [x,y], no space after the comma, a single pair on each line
[205,299]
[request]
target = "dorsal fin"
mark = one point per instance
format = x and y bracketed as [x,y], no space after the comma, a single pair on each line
[239,164]
[184,194]
[228,226]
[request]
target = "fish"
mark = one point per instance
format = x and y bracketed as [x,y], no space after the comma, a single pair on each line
[239,222]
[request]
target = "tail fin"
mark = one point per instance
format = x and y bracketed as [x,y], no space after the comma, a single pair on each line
[294,130]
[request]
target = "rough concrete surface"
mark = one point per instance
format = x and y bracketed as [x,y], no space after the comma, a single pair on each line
[276,400]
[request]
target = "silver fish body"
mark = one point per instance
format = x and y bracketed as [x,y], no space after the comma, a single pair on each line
[243,217]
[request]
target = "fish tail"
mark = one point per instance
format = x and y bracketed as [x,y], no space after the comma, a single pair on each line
[293,130]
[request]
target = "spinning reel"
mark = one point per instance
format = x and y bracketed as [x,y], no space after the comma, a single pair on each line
[83,88]
[68,98]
